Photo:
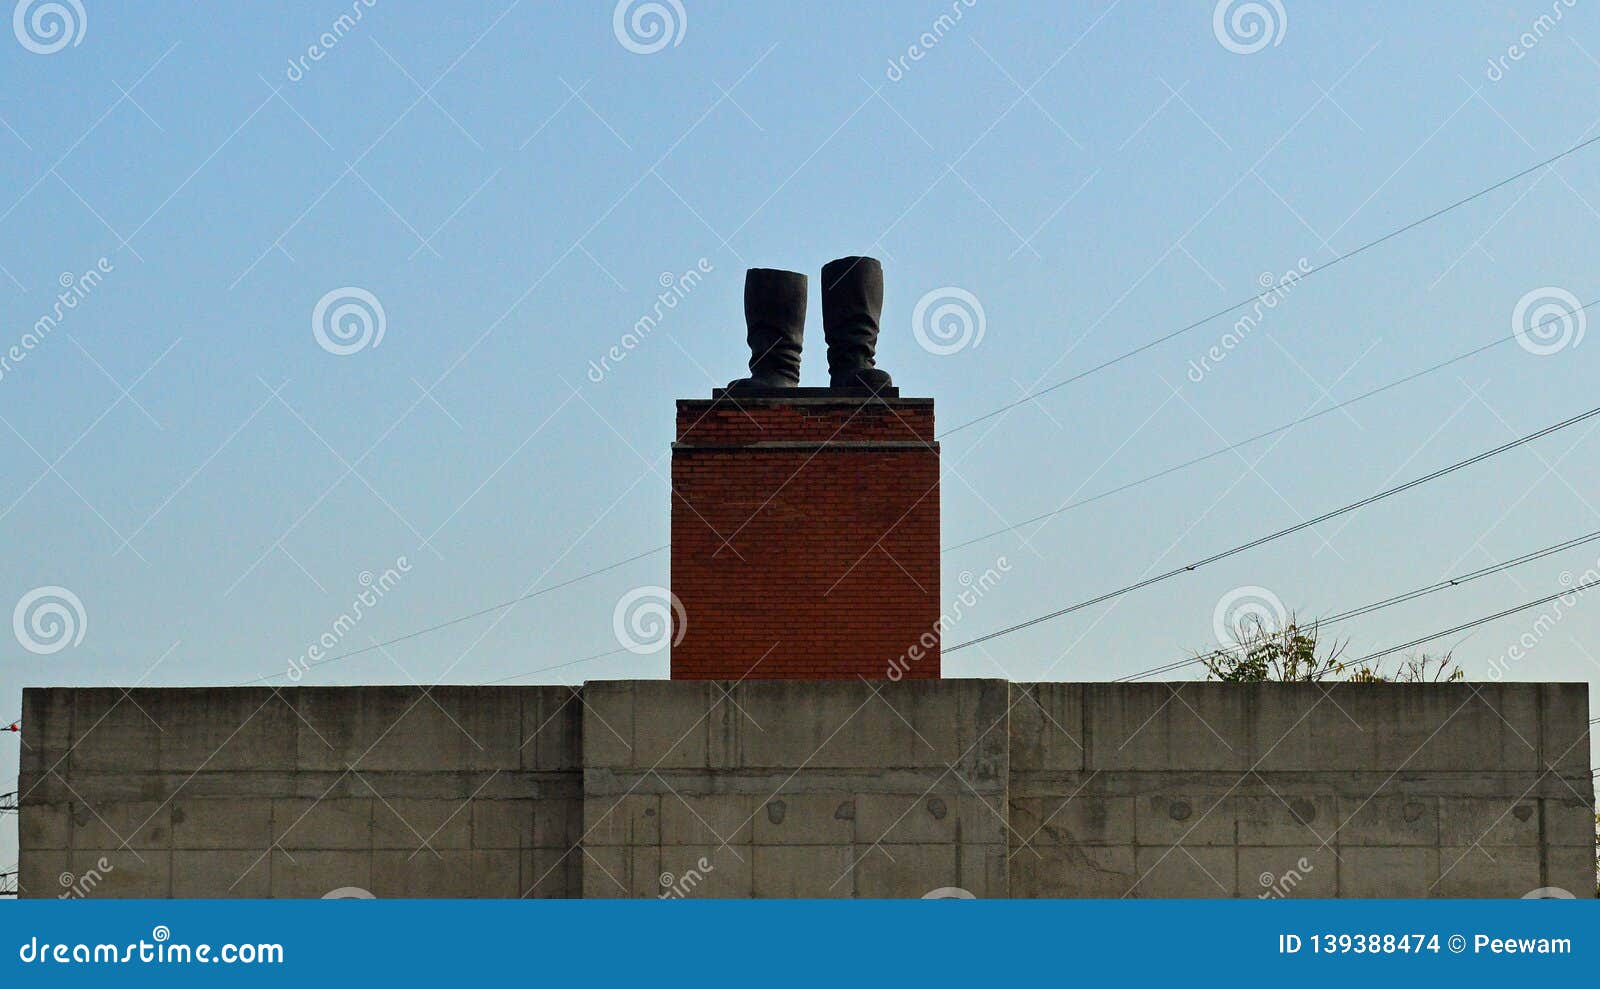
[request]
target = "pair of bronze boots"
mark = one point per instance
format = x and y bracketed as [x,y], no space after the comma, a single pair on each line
[775,320]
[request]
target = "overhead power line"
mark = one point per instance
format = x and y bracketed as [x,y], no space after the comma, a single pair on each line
[1279,534]
[1574,589]
[1258,436]
[1369,245]
[1391,601]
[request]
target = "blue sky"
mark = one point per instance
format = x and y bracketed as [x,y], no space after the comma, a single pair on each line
[511,181]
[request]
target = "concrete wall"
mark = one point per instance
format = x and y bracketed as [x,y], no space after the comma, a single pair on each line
[785,788]
[1348,790]
[295,793]
[791,789]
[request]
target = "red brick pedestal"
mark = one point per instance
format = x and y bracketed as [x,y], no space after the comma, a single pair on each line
[805,537]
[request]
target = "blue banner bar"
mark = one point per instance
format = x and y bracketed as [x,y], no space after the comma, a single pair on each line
[801,943]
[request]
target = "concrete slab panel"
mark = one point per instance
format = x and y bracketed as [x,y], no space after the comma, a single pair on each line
[1055,871]
[558,822]
[451,874]
[1475,821]
[552,729]
[902,871]
[1445,726]
[1369,873]
[1572,869]
[698,819]
[1565,729]
[699,872]
[43,826]
[44,874]
[406,824]
[806,819]
[408,729]
[331,823]
[611,872]
[222,823]
[549,873]
[1488,871]
[221,874]
[1046,727]
[1178,726]
[982,869]
[1287,817]
[1074,820]
[907,818]
[110,733]
[306,874]
[801,871]
[1389,819]
[1284,872]
[128,875]
[1183,871]
[222,728]
[502,824]
[47,714]
[632,820]
[1569,821]
[1197,818]
[141,824]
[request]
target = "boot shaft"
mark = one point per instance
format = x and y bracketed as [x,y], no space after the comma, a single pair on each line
[775,319]
[852,301]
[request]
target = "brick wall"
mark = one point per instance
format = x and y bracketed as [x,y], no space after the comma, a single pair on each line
[805,538]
